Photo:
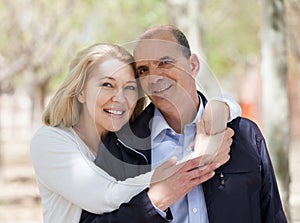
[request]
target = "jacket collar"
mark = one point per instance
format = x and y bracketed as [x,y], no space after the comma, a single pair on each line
[137,134]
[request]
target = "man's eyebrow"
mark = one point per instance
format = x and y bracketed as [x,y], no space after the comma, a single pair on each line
[167,58]
[141,66]
[155,61]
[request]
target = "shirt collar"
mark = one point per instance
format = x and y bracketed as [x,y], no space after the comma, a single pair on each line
[160,125]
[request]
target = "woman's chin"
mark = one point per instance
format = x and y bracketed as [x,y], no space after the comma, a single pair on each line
[116,126]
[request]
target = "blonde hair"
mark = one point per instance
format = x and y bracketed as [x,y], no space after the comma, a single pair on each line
[64,107]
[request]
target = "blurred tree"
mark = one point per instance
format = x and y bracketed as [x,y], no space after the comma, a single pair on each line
[188,15]
[223,35]
[275,93]
[38,38]
[34,46]
[293,11]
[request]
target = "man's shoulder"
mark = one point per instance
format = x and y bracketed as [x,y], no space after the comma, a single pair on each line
[245,126]
[145,115]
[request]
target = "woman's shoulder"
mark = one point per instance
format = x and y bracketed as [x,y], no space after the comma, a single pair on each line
[52,131]
[49,135]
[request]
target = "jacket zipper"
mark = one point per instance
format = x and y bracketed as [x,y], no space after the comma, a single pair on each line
[138,153]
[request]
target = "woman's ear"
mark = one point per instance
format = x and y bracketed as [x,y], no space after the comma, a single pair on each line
[195,65]
[81,97]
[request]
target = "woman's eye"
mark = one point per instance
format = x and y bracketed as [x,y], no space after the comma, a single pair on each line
[106,84]
[131,87]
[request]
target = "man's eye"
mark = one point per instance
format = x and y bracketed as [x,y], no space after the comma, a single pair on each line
[142,71]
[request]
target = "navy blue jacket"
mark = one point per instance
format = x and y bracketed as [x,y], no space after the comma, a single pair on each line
[243,190]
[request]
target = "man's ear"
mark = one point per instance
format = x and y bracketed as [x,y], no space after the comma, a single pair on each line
[81,97]
[195,65]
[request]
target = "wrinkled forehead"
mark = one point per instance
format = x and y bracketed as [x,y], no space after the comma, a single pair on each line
[155,49]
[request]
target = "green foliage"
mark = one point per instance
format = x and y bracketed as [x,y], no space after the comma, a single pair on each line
[231,31]
[121,21]
[28,28]
[231,34]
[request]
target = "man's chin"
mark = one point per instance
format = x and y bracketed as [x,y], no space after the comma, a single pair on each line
[161,101]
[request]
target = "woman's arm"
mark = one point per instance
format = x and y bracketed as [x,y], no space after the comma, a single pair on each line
[138,209]
[62,168]
[166,189]
[218,112]
[235,109]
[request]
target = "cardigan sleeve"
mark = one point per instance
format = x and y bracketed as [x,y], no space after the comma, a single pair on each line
[235,108]
[138,209]
[63,169]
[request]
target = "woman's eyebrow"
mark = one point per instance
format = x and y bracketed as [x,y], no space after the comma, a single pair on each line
[131,81]
[106,77]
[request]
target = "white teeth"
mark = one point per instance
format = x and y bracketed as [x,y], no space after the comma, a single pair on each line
[115,112]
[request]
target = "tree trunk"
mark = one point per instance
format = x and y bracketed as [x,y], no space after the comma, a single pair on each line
[36,92]
[1,143]
[275,93]
[187,15]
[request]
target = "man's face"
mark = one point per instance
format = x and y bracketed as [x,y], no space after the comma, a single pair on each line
[166,75]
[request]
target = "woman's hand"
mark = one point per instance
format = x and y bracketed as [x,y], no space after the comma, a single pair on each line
[215,117]
[216,146]
[171,182]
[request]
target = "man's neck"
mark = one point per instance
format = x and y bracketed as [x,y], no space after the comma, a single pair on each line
[178,116]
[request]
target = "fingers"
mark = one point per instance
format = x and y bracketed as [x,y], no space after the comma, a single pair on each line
[200,172]
[227,140]
[223,154]
[229,132]
[201,129]
[195,163]
[222,157]
[215,116]
[165,170]
[169,163]
[202,179]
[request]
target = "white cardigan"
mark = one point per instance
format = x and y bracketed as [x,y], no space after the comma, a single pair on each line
[69,181]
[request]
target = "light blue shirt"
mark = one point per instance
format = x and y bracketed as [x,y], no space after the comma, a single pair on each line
[166,143]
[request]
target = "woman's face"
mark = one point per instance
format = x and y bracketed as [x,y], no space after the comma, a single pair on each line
[110,95]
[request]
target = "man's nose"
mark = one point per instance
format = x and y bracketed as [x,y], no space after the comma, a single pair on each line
[154,79]
[155,73]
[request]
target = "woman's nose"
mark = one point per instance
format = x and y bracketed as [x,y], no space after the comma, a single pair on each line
[119,96]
